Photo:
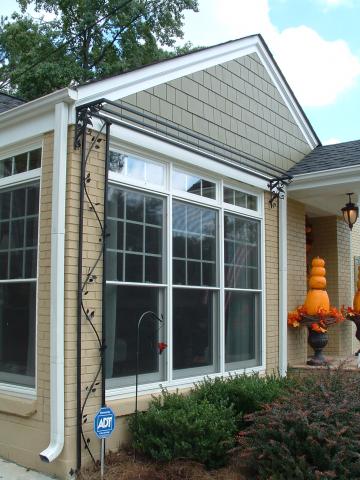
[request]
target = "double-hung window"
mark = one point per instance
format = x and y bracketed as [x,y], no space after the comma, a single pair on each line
[188,247]
[19,214]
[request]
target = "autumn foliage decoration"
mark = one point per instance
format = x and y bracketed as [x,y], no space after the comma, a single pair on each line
[316,312]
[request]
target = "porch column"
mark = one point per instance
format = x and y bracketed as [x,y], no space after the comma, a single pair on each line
[331,241]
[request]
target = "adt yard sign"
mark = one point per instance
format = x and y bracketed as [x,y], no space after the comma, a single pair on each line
[104,422]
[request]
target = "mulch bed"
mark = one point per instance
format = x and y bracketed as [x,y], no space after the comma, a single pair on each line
[123,466]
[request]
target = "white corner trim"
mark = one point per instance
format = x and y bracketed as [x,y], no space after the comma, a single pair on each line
[126,84]
[283,286]
[57,409]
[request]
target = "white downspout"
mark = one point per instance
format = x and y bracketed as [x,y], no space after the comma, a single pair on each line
[57,286]
[283,286]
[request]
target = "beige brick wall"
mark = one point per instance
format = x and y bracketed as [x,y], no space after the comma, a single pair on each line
[272,286]
[235,103]
[25,424]
[297,338]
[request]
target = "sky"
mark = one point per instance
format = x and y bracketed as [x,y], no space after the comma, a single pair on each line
[316,44]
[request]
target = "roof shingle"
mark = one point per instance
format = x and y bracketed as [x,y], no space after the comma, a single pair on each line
[8,101]
[329,157]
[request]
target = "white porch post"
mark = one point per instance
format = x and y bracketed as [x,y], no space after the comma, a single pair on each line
[283,286]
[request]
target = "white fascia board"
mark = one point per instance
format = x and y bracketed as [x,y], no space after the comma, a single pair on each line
[36,107]
[325,178]
[169,151]
[126,84]
[25,129]
[286,95]
[32,119]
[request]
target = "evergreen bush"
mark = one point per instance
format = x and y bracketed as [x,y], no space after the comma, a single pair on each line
[312,434]
[178,426]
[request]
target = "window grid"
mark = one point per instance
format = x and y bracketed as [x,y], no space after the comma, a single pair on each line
[23,252]
[129,251]
[241,260]
[186,233]
[194,184]
[238,198]
[20,163]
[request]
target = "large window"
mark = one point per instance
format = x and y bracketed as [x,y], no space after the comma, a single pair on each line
[194,309]
[190,251]
[242,292]
[19,212]
[135,268]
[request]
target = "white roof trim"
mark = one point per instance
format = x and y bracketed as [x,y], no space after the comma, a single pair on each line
[126,84]
[332,177]
[35,107]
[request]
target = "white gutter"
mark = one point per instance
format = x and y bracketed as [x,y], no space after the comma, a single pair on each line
[57,286]
[283,286]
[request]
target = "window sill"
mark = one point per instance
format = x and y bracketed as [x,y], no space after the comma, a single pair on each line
[122,401]
[20,407]
[126,406]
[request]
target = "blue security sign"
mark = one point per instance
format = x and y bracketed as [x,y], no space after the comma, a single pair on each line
[104,422]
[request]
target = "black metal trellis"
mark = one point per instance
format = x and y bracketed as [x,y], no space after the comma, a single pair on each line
[109,113]
[85,281]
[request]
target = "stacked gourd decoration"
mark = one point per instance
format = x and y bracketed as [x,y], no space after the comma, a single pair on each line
[356,301]
[317,298]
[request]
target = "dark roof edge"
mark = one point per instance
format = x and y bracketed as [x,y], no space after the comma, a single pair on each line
[12,96]
[290,89]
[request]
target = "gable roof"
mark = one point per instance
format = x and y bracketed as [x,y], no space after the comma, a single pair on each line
[131,82]
[8,101]
[329,157]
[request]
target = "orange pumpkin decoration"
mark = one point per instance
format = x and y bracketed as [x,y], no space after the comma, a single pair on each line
[318,262]
[317,297]
[317,282]
[356,301]
[318,271]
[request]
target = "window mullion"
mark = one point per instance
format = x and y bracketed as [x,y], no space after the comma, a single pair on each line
[170,291]
[221,274]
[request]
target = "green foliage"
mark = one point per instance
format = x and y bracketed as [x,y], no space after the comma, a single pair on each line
[201,426]
[177,426]
[85,39]
[312,434]
[245,393]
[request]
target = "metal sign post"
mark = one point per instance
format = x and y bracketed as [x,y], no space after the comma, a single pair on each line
[104,424]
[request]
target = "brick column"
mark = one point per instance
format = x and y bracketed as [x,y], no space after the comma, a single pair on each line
[332,243]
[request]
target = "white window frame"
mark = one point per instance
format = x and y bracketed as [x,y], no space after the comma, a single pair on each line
[15,180]
[221,207]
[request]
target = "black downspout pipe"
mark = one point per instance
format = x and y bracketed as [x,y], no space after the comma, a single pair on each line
[103,342]
[79,302]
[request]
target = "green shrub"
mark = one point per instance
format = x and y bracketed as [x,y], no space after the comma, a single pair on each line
[245,393]
[312,434]
[177,426]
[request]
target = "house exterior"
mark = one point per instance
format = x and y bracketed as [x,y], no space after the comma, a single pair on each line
[149,191]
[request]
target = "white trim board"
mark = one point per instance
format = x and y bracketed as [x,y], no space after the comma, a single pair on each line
[126,84]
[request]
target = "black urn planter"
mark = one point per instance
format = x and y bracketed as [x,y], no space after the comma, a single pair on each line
[356,319]
[317,342]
